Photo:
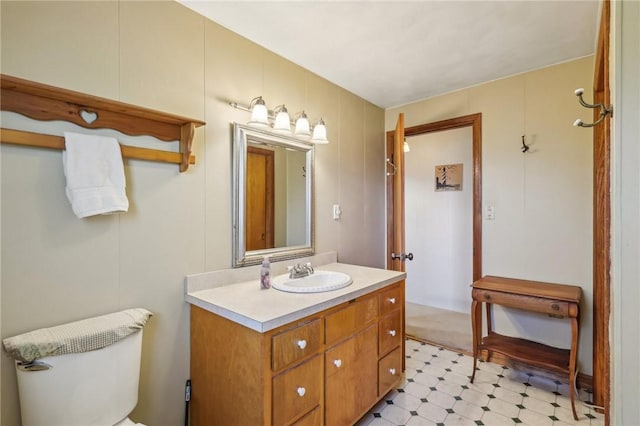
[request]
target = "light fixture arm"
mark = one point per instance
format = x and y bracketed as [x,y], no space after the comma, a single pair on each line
[256,101]
[240,107]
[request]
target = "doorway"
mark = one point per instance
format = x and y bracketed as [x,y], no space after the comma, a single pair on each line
[260,199]
[439,218]
[472,125]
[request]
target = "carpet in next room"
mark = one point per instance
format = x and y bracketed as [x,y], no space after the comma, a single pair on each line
[445,328]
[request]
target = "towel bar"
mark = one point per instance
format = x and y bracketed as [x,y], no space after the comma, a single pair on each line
[19,137]
[43,102]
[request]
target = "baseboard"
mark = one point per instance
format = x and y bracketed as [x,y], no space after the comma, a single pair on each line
[585,381]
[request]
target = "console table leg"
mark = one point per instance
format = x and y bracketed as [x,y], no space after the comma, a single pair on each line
[572,364]
[476,330]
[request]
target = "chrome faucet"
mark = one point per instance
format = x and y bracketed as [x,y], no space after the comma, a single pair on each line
[300,271]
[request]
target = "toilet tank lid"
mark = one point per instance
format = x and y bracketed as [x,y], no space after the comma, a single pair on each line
[75,337]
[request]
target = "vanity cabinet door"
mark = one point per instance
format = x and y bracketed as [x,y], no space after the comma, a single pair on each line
[314,418]
[297,391]
[351,370]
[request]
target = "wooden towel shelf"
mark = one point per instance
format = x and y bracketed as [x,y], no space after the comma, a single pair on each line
[43,102]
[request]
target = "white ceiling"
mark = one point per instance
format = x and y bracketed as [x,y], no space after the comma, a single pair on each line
[396,52]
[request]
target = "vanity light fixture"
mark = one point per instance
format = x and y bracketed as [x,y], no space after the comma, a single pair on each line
[319,136]
[302,125]
[263,117]
[259,112]
[405,146]
[282,123]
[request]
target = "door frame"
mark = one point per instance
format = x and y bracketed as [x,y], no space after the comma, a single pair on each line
[473,120]
[269,193]
[602,222]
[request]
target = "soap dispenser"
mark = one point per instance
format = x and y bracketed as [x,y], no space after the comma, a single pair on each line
[265,274]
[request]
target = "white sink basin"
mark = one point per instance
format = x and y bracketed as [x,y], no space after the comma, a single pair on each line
[318,282]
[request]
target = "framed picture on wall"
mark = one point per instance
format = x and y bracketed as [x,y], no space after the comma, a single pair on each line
[449,177]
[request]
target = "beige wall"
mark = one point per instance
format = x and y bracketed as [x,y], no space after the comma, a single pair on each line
[57,268]
[543,199]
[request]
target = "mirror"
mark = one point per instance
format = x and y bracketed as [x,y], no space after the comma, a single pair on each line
[272,196]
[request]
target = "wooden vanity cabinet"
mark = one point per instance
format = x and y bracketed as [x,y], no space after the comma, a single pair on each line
[326,369]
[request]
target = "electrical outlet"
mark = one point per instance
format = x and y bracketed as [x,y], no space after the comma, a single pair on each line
[490,212]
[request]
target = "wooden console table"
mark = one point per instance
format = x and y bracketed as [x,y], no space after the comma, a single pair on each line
[555,300]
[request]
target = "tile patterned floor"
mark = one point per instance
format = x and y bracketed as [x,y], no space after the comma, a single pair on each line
[436,391]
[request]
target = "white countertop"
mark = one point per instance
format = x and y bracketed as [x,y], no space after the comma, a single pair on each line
[263,310]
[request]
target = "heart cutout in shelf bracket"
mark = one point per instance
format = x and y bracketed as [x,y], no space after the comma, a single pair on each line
[88,116]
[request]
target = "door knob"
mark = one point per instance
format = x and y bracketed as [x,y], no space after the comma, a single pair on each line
[402,257]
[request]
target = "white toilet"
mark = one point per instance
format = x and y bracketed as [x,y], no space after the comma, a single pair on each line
[97,387]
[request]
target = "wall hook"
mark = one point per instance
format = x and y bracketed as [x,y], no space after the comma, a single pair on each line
[392,165]
[603,110]
[525,147]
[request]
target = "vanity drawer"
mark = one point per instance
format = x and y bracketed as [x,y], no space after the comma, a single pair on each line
[390,299]
[297,391]
[314,418]
[529,303]
[390,332]
[389,371]
[293,345]
[348,320]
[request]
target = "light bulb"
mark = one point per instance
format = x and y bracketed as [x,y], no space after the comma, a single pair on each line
[302,125]
[319,133]
[283,122]
[259,113]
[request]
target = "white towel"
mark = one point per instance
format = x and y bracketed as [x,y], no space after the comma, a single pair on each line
[95,174]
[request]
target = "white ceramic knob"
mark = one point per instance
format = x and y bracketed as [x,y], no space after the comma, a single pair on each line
[337,362]
[301,391]
[302,344]
[392,300]
[392,371]
[392,332]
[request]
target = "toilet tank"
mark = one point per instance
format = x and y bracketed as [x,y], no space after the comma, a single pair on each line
[98,387]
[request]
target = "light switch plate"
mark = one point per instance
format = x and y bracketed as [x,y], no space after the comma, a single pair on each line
[336,212]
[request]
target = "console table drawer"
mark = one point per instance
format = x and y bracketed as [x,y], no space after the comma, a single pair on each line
[529,303]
